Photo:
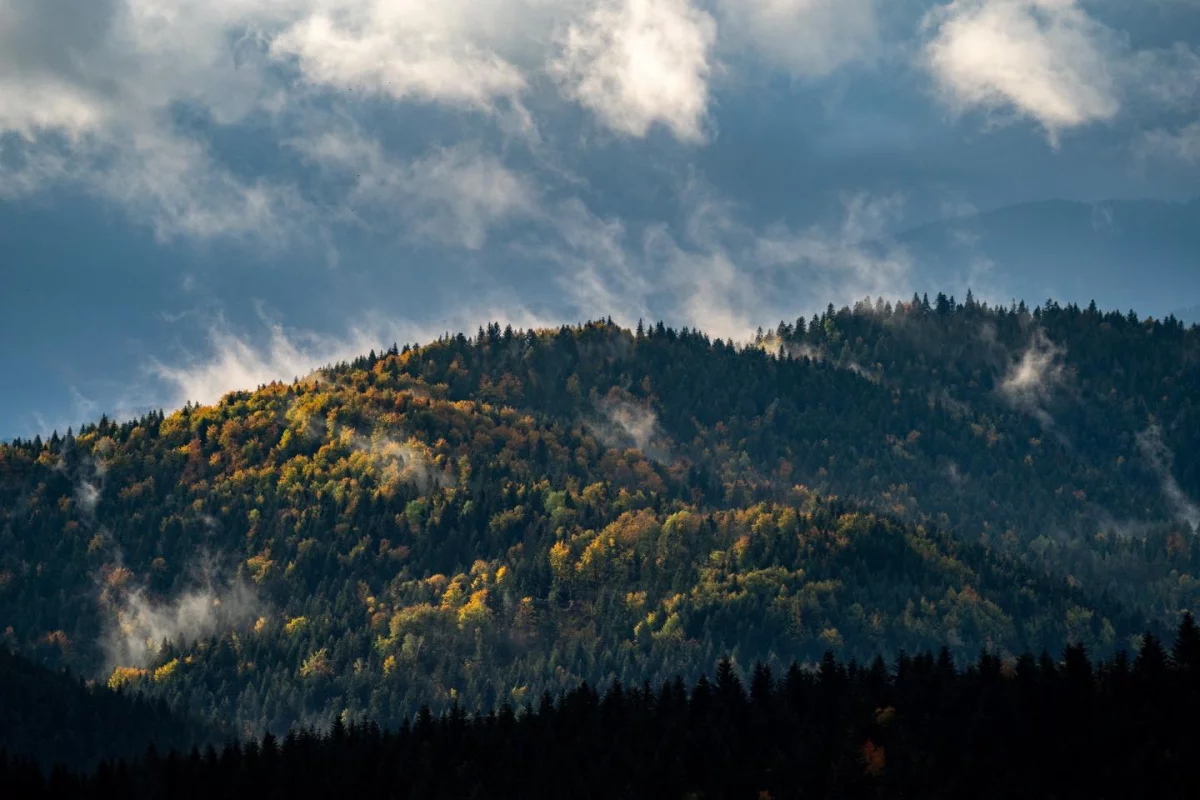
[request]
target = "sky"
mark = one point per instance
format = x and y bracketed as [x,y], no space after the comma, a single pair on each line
[204,195]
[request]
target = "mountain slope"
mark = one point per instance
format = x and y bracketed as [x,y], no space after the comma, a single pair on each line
[54,718]
[480,519]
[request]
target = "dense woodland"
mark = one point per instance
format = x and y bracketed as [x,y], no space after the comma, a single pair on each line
[49,718]
[1053,728]
[481,519]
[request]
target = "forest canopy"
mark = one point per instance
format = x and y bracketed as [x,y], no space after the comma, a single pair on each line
[483,518]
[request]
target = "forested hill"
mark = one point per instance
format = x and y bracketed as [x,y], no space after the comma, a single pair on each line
[483,518]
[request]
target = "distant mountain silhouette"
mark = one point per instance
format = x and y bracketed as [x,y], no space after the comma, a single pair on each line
[1123,254]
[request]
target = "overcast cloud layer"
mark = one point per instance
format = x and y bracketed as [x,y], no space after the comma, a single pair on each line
[197,195]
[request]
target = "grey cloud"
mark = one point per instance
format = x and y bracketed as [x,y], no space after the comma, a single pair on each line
[87,496]
[450,195]
[808,38]
[772,345]
[1182,146]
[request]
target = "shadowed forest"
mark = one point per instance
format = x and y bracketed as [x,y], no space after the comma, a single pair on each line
[1034,727]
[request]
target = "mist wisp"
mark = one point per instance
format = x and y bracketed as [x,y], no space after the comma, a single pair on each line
[399,462]
[87,497]
[1031,380]
[1156,452]
[796,351]
[139,623]
[624,424]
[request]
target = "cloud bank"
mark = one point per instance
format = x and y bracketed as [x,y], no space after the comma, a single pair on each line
[565,157]
[97,98]
[237,360]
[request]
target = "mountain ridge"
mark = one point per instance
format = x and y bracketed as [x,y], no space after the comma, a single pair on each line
[484,518]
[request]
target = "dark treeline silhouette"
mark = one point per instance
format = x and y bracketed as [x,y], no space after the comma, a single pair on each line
[1000,728]
[54,717]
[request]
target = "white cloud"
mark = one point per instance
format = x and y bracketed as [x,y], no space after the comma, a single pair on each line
[168,182]
[1168,77]
[595,268]
[460,193]
[1053,62]
[87,496]
[91,94]
[29,107]
[811,38]
[637,63]
[707,287]
[425,49]
[175,185]
[395,461]
[1043,59]
[238,362]
[88,97]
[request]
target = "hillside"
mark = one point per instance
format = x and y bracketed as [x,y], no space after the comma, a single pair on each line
[481,519]
[54,718]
